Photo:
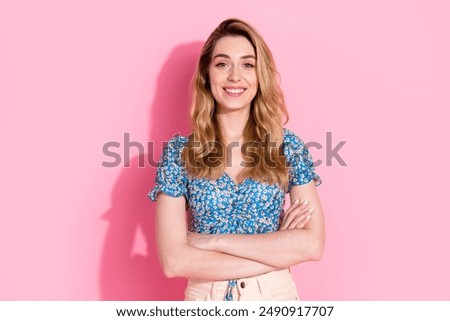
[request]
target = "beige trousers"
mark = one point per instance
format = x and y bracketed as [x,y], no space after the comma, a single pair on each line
[271,286]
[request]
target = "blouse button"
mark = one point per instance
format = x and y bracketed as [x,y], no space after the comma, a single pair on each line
[243,285]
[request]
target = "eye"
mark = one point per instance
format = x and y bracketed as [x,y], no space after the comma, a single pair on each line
[248,65]
[221,64]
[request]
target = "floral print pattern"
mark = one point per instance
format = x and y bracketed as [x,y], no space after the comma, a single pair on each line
[222,206]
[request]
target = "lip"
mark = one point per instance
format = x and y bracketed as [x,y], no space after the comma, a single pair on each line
[234,94]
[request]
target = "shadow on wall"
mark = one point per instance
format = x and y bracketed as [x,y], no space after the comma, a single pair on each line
[123,274]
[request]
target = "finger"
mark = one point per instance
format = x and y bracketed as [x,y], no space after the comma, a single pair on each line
[288,218]
[293,212]
[301,220]
[299,217]
[288,214]
[294,205]
[301,223]
[303,205]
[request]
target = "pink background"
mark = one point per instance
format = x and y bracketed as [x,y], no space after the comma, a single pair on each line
[75,75]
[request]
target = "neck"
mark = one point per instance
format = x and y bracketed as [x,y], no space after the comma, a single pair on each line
[232,124]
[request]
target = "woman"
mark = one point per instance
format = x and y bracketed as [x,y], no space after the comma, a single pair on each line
[232,174]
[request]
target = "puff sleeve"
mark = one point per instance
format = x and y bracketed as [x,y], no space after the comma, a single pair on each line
[300,162]
[170,174]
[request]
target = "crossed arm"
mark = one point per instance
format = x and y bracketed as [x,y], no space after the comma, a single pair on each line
[229,256]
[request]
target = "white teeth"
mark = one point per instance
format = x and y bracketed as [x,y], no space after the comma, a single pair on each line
[234,91]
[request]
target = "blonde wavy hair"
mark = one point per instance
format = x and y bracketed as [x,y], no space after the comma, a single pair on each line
[205,155]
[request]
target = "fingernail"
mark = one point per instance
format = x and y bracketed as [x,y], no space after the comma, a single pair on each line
[311,209]
[296,201]
[308,217]
[305,202]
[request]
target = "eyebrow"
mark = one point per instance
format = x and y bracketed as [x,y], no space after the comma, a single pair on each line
[228,57]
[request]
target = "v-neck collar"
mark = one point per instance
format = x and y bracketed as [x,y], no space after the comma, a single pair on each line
[225,174]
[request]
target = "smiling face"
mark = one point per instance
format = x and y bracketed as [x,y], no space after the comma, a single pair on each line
[232,73]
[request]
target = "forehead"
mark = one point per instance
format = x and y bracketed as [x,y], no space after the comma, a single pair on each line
[233,46]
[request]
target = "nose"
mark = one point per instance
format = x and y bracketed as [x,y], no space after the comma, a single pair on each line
[234,74]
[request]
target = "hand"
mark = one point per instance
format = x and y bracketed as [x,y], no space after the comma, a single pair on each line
[296,216]
[199,240]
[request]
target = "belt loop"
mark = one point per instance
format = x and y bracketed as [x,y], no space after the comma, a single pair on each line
[211,295]
[263,288]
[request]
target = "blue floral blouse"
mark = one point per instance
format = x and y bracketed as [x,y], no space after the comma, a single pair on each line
[222,206]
